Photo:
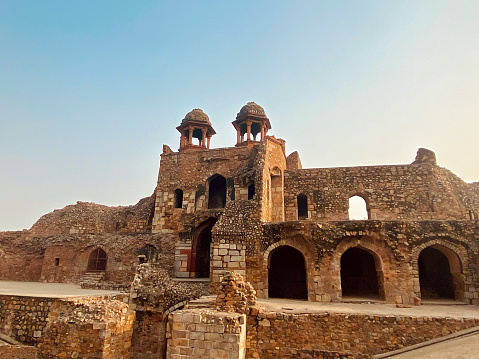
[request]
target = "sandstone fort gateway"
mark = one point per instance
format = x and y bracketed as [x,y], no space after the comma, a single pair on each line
[241,225]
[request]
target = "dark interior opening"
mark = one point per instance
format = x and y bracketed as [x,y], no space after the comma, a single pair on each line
[178,198]
[147,254]
[217,192]
[302,206]
[435,276]
[358,274]
[251,191]
[57,262]
[97,260]
[201,254]
[287,274]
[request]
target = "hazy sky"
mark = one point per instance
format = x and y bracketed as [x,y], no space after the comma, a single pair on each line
[91,90]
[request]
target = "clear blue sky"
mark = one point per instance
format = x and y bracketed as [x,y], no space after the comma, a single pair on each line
[90,90]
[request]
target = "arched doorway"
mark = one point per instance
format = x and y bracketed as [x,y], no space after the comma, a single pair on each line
[97,260]
[287,274]
[440,273]
[359,277]
[200,256]
[217,192]
[358,208]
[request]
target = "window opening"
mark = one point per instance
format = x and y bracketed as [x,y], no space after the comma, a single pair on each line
[358,208]
[178,198]
[302,202]
[217,192]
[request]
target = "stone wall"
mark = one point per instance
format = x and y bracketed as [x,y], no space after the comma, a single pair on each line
[283,335]
[92,218]
[421,191]
[204,333]
[63,327]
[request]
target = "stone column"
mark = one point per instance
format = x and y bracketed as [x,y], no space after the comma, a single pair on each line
[203,138]
[248,130]
[208,145]
[190,137]
[238,135]
[263,127]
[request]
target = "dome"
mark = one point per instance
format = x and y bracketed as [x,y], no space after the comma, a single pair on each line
[196,115]
[251,109]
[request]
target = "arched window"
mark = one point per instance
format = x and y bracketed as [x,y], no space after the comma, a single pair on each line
[251,191]
[358,208]
[302,202]
[217,192]
[178,198]
[97,260]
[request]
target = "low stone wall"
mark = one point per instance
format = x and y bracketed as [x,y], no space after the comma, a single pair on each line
[83,327]
[204,333]
[339,335]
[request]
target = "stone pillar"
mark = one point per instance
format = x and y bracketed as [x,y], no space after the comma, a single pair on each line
[190,137]
[203,138]
[208,145]
[238,135]
[262,132]
[248,130]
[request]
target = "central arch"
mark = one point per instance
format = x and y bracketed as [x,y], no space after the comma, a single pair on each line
[217,192]
[359,274]
[287,274]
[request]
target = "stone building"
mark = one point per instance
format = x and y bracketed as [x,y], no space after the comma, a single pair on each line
[252,208]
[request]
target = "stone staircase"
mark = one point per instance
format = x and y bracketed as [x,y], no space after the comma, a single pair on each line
[92,279]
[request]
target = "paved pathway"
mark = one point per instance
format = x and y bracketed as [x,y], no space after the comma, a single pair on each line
[48,290]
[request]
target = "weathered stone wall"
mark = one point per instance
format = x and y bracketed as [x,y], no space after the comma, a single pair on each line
[190,171]
[92,218]
[12,349]
[21,258]
[62,327]
[205,333]
[420,191]
[284,335]
[64,258]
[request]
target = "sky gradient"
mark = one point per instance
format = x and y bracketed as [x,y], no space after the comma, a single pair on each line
[90,91]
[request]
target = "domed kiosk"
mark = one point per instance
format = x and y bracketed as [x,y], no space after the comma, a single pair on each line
[195,125]
[250,121]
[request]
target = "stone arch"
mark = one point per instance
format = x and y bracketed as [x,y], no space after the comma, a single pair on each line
[455,258]
[308,252]
[216,191]
[287,276]
[356,200]
[199,263]
[379,264]
[97,260]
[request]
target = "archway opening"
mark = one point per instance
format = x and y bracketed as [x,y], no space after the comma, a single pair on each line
[97,260]
[287,274]
[217,192]
[358,209]
[302,202]
[201,253]
[439,273]
[359,277]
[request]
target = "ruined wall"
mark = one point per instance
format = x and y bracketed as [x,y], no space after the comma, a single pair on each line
[62,327]
[204,333]
[21,258]
[401,192]
[283,335]
[92,218]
